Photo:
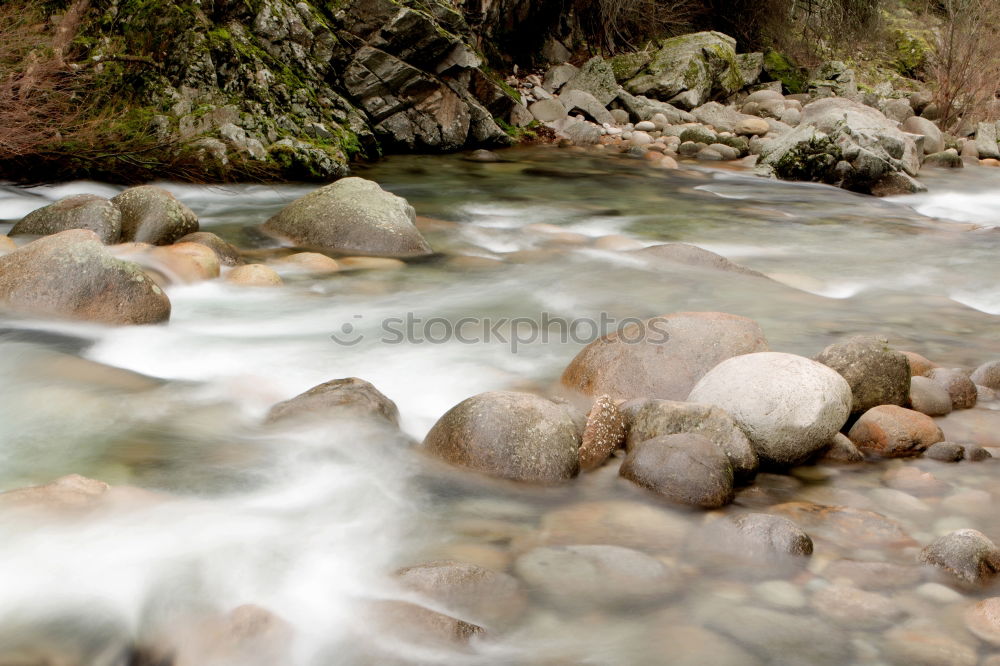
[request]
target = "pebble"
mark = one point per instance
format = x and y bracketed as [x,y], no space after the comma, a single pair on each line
[938,593]
[852,608]
[254,275]
[983,620]
[639,138]
[645,126]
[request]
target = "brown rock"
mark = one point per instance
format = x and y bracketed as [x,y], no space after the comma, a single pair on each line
[339,398]
[919,366]
[486,598]
[310,262]
[370,264]
[184,263]
[662,357]
[894,432]
[227,254]
[71,275]
[960,386]
[81,211]
[510,435]
[968,555]
[254,275]
[604,433]
[686,468]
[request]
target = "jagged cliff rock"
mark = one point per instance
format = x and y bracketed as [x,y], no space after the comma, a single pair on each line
[288,89]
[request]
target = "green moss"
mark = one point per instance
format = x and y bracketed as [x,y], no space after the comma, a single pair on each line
[519,134]
[780,68]
[912,52]
[812,160]
[627,65]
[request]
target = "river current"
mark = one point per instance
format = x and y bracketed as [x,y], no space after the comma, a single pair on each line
[310,522]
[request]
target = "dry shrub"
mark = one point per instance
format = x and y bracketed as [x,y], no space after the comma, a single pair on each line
[613,25]
[965,67]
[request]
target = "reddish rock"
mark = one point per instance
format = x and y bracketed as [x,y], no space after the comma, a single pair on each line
[918,364]
[960,386]
[604,433]
[894,432]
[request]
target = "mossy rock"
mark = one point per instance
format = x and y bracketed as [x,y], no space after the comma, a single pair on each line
[795,79]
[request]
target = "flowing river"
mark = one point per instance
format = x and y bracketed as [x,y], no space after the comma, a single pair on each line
[216,511]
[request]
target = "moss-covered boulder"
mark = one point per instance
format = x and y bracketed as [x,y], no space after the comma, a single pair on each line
[351,216]
[150,214]
[71,275]
[778,67]
[687,70]
[81,211]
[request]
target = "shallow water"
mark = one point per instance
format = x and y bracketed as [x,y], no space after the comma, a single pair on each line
[310,522]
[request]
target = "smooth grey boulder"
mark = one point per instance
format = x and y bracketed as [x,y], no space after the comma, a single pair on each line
[152,215]
[557,76]
[988,375]
[968,555]
[876,374]
[72,275]
[959,385]
[81,211]
[511,435]
[654,418]
[584,576]
[662,357]
[685,468]
[946,159]
[339,398]
[547,110]
[351,216]
[595,78]
[789,406]
[687,70]
[933,138]
[986,141]
[928,397]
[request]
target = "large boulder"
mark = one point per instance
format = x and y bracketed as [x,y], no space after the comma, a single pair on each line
[71,275]
[968,555]
[662,357]
[685,468]
[687,70]
[510,435]
[876,374]
[933,137]
[340,398]
[654,418]
[596,78]
[81,211]
[351,216]
[845,143]
[789,406]
[986,141]
[894,432]
[150,214]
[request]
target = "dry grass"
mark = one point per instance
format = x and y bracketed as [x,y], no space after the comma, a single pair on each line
[614,25]
[965,68]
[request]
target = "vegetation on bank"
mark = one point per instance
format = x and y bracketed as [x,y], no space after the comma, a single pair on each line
[82,81]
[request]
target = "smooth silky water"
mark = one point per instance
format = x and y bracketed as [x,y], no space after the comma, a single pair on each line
[310,522]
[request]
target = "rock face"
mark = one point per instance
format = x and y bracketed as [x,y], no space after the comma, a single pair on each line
[685,468]
[663,357]
[654,418]
[82,211]
[876,374]
[71,275]
[510,435]
[968,555]
[340,398]
[611,576]
[687,70]
[150,214]
[847,144]
[351,216]
[789,406]
[894,432]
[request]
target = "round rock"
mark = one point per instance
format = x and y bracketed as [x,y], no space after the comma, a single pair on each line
[82,211]
[852,608]
[71,275]
[351,216]
[227,254]
[254,275]
[945,452]
[876,374]
[654,418]
[983,620]
[968,555]
[894,432]
[150,214]
[928,397]
[475,594]
[339,398]
[988,375]
[685,468]
[960,386]
[756,544]
[789,406]
[511,435]
[662,357]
